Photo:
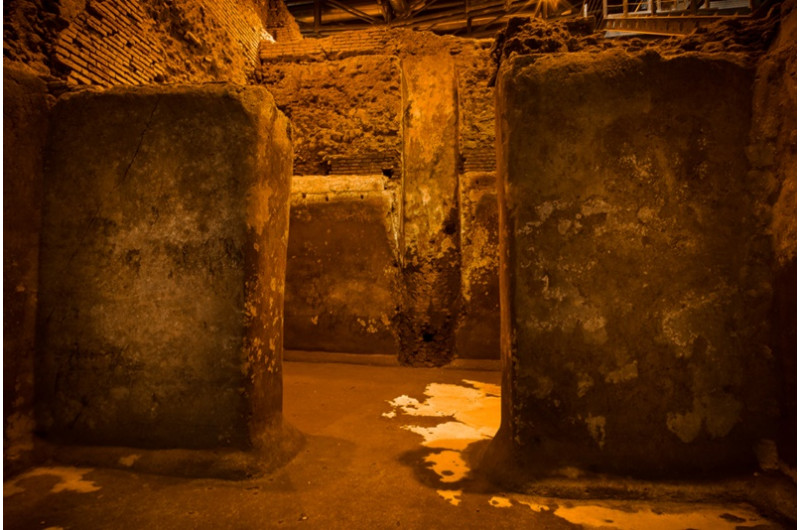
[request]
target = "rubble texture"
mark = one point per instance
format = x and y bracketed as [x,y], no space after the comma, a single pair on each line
[346,113]
[637,275]
[162,269]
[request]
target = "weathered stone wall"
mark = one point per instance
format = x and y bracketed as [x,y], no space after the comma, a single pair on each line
[478,330]
[429,309]
[342,275]
[124,42]
[24,132]
[162,268]
[343,94]
[773,156]
[635,272]
[346,113]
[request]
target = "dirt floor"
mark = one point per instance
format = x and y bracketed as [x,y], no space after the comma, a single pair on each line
[387,447]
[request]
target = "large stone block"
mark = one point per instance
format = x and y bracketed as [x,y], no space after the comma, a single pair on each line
[24,133]
[431,275]
[163,256]
[343,267]
[635,277]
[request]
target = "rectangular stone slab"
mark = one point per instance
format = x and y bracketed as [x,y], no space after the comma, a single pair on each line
[343,266]
[635,275]
[163,258]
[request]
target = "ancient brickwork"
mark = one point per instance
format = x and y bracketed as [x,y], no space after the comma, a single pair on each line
[124,42]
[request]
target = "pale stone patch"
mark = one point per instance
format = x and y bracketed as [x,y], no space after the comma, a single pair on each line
[129,460]
[71,479]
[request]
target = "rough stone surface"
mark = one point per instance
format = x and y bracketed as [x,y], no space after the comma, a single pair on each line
[163,256]
[478,330]
[344,112]
[773,156]
[431,258]
[635,273]
[343,265]
[24,133]
[121,42]
[343,95]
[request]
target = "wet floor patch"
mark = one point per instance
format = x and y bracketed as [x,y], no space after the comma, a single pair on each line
[470,412]
[653,516]
[69,479]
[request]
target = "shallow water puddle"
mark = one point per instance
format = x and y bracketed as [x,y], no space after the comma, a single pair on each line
[70,479]
[639,515]
[451,496]
[705,518]
[473,412]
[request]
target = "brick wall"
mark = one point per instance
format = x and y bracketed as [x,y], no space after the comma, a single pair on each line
[130,42]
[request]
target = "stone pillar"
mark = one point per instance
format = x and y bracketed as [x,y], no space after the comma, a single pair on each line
[478,330]
[430,210]
[163,258]
[635,275]
[24,133]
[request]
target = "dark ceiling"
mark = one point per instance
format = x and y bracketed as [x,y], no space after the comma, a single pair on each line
[476,18]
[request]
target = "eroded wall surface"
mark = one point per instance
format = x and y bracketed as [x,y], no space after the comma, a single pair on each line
[430,210]
[346,113]
[635,271]
[773,157]
[343,265]
[25,110]
[415,111]
[163,251]
[478,332]
[124,42]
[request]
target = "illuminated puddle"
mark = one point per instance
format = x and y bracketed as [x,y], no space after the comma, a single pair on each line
[472,411]
[70,479]
[667,517]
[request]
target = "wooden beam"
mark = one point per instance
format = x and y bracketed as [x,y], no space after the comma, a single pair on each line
[317,16]
[353,11]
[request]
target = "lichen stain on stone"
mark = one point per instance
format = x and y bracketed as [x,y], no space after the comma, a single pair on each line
[719,413]
[625,373]
[597,428]
[129,460]
[258,207]
[585,383]
[678,326]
